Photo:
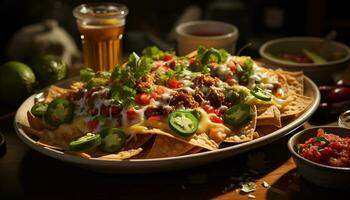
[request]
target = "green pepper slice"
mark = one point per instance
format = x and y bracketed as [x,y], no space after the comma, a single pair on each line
[39,109]
[208,53]
[261,94]
[238,115]
[113,139]
[183,123]
[85,142]
[58,112]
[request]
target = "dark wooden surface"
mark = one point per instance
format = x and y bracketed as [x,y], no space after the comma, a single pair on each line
[27,174]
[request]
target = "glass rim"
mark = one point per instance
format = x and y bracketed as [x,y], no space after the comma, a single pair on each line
[342,119]
[86,11]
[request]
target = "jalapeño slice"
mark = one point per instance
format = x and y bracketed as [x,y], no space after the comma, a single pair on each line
[211,52]
[39,109]
[58,112]
[183,123]
[238,115]
[112,140]
[86,142]
[261,94]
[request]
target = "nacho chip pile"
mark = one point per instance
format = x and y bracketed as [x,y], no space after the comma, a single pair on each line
[160,105]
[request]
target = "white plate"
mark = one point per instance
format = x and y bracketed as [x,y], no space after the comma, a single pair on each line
[164,164]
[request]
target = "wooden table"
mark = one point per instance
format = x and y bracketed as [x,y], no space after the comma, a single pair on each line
[26,174]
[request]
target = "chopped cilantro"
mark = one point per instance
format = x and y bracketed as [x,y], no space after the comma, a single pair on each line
[123,95]
[153,53]
[86,74]
[248,187]
[245,70]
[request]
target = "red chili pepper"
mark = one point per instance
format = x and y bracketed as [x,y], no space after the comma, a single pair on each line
[143,99]
[154,118]
[173,83]
[217,119]
[92,124]
[167,57]
[131,113]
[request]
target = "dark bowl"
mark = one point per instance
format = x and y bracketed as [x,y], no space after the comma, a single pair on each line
[319,73]
[319,174]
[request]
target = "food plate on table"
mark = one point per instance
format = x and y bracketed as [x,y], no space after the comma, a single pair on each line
[160,112]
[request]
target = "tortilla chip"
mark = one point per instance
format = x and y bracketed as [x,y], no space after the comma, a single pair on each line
[296,106]
[34,122]
[61,136]
[79,154]
[194,150]
[31,131]
[270,116]
[54,92]
[265,130]
[200,140]
[245,133]
[295,81]
[122,155]
[164,146]
[138,141]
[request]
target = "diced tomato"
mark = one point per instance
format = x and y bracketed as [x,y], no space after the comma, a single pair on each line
[192,61]
[165,68]
[232,67]
[172,64]
[131,113]
[143,99]
[173,83]
[115,110]
[154,118]
[217,119]
[92,124]
[208,108]
[93,111]
[160,90]
[214,65]
[167,57]
[157,92]
[105,111]
[214,134]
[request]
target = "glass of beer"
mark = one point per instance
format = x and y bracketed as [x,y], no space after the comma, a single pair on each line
[101,26]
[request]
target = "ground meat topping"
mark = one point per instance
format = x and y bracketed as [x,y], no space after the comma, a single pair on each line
[182,99]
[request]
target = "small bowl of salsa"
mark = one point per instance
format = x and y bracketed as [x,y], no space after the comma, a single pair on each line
[322,155]
[322,60]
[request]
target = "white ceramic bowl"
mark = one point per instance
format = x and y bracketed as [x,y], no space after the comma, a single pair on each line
[319,73]
[215,34]
[319,174]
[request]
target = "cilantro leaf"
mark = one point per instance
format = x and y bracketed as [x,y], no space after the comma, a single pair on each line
[153,52]
[248,187]
[86,74]
[123,95]
[143,68]
[120,74]
[246,70]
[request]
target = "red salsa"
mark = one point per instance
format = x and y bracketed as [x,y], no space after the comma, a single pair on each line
[326,148]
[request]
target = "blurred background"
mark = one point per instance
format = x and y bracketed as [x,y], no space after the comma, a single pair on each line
[151,22]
